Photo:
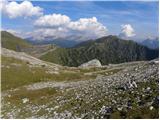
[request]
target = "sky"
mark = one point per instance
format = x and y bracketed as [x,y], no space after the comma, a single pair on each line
[80,20]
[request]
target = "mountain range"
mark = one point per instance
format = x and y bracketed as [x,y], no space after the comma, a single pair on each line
[152,43]
[108,49]
[59,42]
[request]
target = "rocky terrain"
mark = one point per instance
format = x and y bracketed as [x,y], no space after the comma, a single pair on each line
[41,89]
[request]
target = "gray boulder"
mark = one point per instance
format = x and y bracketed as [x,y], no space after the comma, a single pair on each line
[92,63]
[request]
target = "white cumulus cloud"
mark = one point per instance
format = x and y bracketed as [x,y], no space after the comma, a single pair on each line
[127,31]
[61,26]
[23,9]
[53,20]
[89,26]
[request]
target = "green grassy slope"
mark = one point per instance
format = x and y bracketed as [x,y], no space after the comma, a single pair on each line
[12,42]
[16,73]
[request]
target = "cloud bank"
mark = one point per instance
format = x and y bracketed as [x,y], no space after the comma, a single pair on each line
[53,20]
[23,9]
[57,26]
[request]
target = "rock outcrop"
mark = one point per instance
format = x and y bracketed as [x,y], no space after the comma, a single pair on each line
[92,63]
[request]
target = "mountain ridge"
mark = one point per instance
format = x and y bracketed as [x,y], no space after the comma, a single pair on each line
[60,43]
[110,49]
[151,43]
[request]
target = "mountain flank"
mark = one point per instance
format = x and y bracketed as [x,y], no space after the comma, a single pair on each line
[109,49]
[12,42]
[18,44]
[151,43]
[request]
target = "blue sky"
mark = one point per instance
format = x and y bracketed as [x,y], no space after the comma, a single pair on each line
[141,16]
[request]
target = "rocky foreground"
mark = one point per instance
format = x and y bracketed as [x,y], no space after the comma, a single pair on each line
[130,92]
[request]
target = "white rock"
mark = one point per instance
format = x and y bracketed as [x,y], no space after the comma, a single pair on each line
[9,95]
[92,63]
[56,107]
[134,84]
[148,88]
[156,62]
[151,107]
[120,108]
[102,110]
[25,100]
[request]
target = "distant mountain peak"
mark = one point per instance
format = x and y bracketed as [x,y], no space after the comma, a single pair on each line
[151,42]
[152,38]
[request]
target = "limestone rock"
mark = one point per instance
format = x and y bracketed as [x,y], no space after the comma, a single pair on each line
[92,63]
